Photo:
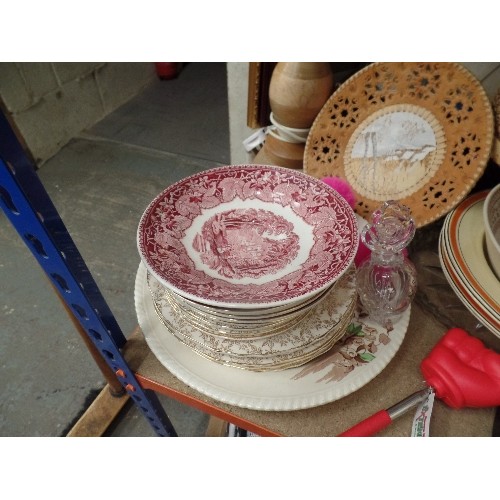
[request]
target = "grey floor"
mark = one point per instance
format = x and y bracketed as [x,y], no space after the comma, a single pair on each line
[101,182]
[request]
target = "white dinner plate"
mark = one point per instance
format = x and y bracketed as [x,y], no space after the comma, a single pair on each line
[354,361]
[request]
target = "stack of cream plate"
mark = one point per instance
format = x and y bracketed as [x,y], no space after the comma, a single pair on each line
[253,346]
[465,263]
[251,266]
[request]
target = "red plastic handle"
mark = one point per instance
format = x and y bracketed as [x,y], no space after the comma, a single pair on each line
[369,426]
[462,371]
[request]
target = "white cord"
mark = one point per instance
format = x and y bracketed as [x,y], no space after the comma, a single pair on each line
[287,134]
[280,132]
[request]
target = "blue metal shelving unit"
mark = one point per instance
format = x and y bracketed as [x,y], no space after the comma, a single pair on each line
[29,208]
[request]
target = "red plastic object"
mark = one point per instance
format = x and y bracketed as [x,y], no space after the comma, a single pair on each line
[370,426]
[168,70]
[463,372]
[460,369]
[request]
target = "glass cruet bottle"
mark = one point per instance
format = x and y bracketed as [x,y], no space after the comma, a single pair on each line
[387,281]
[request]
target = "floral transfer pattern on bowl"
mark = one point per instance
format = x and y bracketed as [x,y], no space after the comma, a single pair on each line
[248,236]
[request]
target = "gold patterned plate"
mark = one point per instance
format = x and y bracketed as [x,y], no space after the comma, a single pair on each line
[245,316]
[295,345]
[419,133]
[270,362]
[226,329]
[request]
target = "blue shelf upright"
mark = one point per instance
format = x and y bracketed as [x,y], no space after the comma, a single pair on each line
[29,208]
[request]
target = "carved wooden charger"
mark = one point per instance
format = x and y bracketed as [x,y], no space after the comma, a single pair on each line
[419,133]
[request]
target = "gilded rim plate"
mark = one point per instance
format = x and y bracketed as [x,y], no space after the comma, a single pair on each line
[353,361]
[291,344]
[464,262]
[418,133]
[248,236]
[247,316]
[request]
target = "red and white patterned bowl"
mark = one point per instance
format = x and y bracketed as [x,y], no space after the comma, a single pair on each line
[248,236]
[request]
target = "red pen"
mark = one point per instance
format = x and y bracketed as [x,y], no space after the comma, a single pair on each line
[384,418]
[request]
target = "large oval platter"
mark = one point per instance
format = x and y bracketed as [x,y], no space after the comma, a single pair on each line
[322,380]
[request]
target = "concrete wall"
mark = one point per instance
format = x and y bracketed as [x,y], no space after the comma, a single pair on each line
[52,102]
[237,89]
[487,72]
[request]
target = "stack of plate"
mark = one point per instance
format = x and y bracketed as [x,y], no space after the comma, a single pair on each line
[251,266]
[463,258]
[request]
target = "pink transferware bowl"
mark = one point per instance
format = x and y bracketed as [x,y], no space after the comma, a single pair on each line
[248,236]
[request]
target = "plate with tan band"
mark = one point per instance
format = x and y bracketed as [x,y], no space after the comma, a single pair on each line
[418,133]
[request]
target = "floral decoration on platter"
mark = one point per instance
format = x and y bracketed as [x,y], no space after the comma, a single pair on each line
[356,348]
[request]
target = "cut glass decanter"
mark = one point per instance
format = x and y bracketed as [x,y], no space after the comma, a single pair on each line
[387,281]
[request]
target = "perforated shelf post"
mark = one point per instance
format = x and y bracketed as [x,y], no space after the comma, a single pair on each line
[29,208]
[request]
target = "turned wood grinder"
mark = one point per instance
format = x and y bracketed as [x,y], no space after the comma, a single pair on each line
[297,92]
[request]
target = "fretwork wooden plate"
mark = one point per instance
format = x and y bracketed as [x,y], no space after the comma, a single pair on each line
[419,133]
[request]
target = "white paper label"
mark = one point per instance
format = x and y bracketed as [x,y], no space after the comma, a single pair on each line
[422,419]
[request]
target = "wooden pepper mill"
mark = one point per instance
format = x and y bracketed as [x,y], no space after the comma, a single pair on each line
[297,92]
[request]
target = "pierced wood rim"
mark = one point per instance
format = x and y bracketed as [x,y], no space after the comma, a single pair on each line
[420,133]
